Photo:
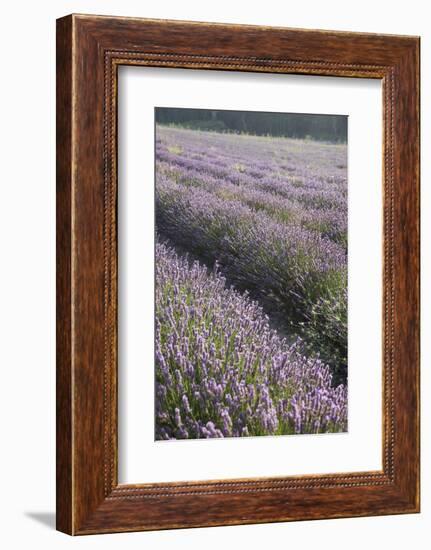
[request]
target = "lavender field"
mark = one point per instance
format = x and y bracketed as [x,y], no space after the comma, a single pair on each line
[251,285]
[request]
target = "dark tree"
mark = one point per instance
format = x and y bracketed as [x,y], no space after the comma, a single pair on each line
[319,127]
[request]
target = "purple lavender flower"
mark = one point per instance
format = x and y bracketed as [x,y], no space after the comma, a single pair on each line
[246,380]
[269,215]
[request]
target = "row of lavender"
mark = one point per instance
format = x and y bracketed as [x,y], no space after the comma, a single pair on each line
[293,181]
[222,371]
[273,214]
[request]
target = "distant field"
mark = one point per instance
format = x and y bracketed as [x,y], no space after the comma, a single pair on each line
[267,217]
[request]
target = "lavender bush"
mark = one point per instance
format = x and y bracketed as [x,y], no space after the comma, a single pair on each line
[273,213]
[221,371]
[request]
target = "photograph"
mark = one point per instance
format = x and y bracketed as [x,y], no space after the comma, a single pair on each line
[251,273]
[215,275]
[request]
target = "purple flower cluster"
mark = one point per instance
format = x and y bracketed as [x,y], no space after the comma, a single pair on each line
[221,371]
[311,173]
[273,213]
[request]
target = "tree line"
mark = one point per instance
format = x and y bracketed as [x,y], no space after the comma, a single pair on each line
[331,128]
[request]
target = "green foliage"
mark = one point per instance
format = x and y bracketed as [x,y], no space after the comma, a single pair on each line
[326,329]
[205,125]
[332,128]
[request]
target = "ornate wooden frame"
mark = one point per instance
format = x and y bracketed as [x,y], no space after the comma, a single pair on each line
[89,51]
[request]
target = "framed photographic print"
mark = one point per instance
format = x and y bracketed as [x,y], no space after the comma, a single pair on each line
[237,274]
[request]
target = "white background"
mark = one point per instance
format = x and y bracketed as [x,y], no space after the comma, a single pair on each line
[141,458]
[27,276]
